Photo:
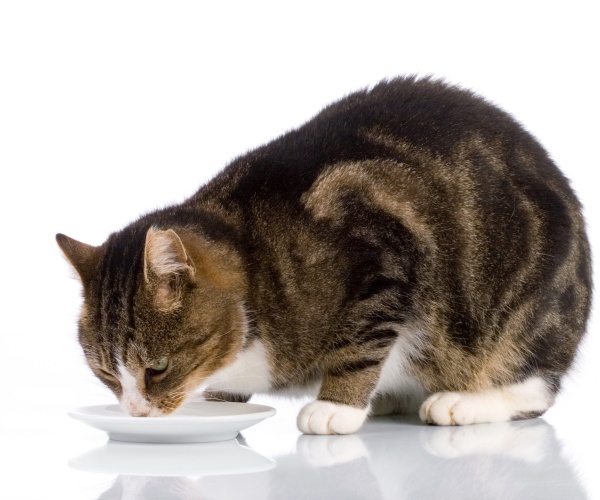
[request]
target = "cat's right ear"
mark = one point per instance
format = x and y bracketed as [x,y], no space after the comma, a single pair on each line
[167,265]
[84,258]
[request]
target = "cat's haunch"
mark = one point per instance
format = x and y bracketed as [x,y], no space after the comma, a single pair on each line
[410,243]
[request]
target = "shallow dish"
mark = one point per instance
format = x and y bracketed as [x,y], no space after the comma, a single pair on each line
[194,422]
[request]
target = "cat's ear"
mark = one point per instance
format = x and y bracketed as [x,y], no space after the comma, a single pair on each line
[84,258]
[167,265]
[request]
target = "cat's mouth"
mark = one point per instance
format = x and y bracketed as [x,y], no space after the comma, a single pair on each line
[137,408]
[144,408]
[145,412]
[136,403]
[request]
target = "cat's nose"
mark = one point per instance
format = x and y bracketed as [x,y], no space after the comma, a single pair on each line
[139,412]
[136,409]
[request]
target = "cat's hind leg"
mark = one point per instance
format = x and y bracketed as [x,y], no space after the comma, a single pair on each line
[526,399]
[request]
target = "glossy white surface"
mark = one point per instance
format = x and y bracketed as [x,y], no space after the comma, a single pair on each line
[389,459]
[111,109]
[194,422]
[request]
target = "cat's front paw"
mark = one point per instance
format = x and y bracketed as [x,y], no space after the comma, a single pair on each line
[323,417]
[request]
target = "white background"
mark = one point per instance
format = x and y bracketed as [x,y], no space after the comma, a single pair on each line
[111,109]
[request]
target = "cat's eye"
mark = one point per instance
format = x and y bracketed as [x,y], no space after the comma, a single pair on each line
[159,365]
[155,370]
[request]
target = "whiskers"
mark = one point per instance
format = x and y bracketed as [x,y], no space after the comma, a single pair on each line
[248,373]
[213,396]
[173,401]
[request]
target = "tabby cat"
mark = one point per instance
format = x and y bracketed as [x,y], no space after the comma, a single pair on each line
[410,241]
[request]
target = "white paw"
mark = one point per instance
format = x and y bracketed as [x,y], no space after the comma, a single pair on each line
[493,405]
[323,417]
[464,408]
[439,408]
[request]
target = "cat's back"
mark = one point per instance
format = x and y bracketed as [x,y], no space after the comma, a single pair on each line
[423,112]
[408,121]
[422,164]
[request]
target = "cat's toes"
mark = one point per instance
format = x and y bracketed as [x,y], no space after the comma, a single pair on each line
[323,417]
[449,408]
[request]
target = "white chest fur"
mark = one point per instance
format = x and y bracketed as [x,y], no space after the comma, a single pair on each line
[395,376]
[248,374]
[251,373]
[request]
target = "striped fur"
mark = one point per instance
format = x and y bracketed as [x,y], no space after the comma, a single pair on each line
[409,238]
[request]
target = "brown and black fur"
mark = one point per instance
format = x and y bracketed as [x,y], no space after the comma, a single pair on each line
[413,206]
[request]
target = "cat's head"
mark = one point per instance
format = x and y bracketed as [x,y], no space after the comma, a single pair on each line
[162,310]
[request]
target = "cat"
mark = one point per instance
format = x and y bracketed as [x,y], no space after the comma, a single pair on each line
[412,240]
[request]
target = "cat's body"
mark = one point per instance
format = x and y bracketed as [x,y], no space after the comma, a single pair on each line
[408,239]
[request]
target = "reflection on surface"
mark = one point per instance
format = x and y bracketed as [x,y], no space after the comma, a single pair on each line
[148,487]
[389,459]
[226,457]
[508,460]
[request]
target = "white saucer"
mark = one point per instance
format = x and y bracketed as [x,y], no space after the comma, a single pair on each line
[194,422]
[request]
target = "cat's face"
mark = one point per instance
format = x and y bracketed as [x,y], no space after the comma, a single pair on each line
[159,316]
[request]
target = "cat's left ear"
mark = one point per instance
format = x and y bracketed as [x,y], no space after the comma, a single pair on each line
[84,258]
[167,266]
